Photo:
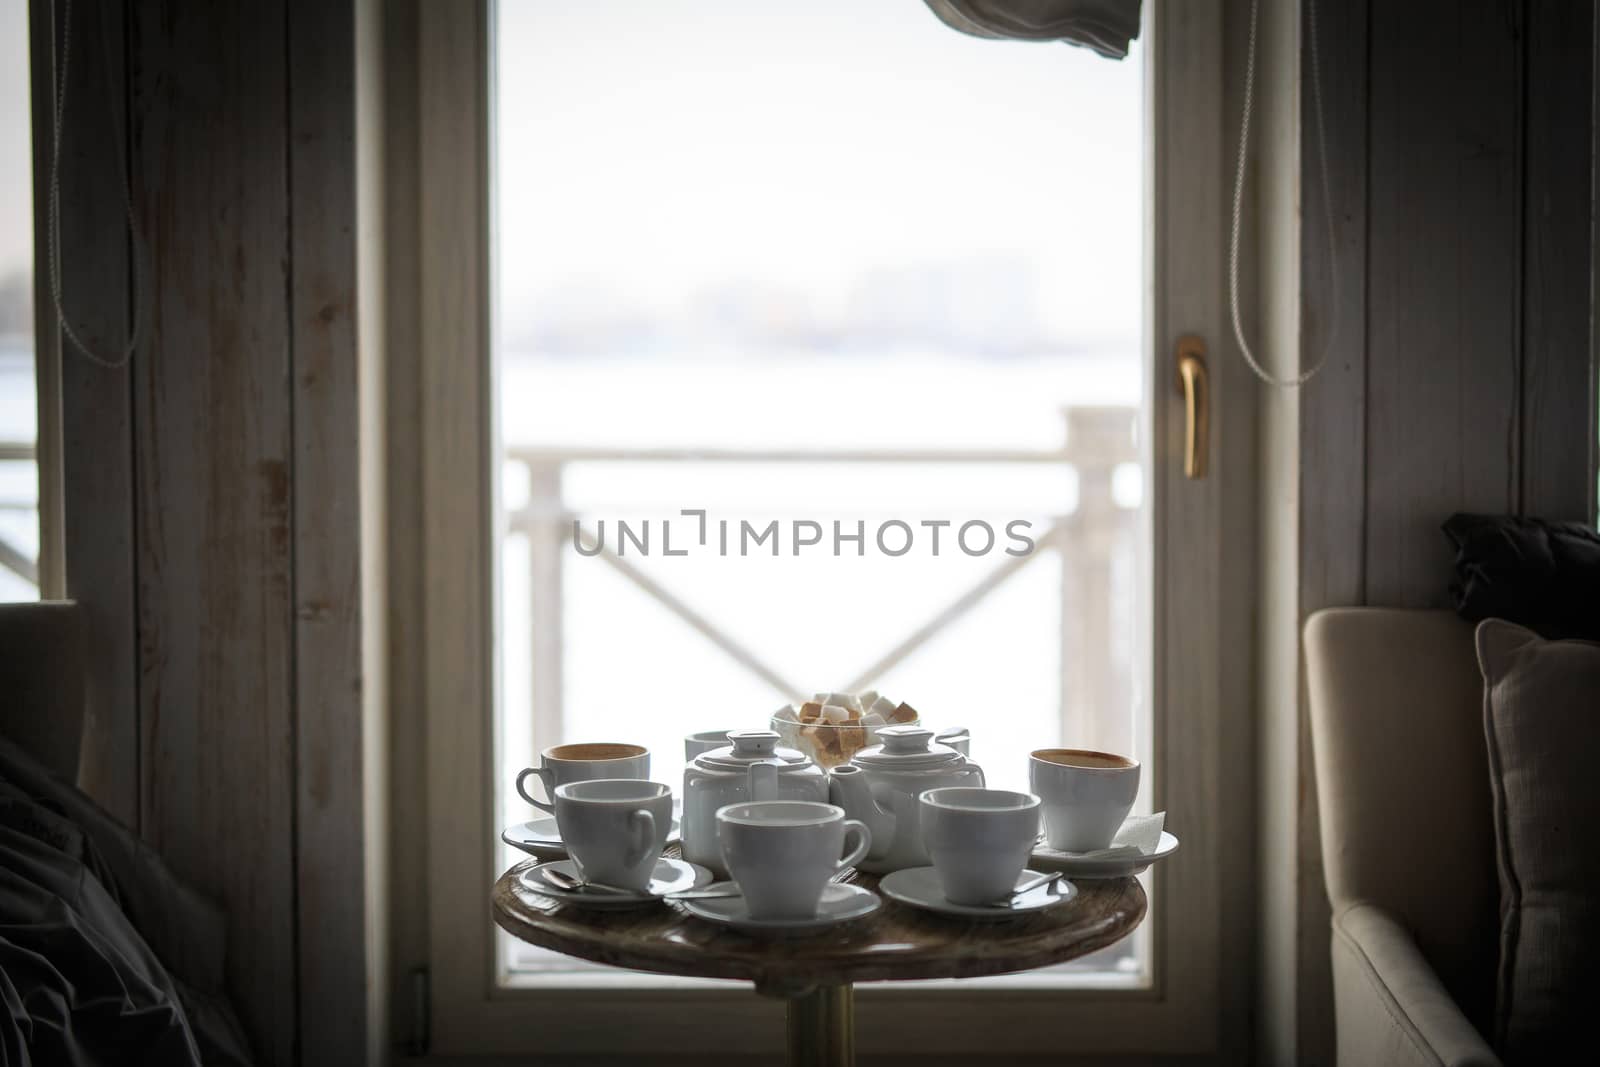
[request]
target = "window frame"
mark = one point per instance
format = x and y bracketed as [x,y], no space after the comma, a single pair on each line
[1182,1011]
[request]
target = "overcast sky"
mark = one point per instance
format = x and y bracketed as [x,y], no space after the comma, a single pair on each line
[661,148]
[16,204]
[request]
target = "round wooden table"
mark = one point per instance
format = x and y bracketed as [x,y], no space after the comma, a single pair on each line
[816,973]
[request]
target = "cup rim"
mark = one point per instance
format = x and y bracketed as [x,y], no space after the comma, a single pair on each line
[949,798]
[707,735]
[1130,764]
[646,791]
[549,755]
[738,813]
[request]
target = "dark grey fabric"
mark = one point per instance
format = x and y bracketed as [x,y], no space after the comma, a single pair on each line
[82,987]
[1542,725]
[1536,573]
[1106,26]
[98,938]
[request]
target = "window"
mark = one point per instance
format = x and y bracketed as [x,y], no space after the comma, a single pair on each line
[19,477]
[738,270]
[725,258]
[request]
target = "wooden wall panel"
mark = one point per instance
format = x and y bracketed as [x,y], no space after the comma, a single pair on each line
[1333,457]
[214,490]
[1462,171]
[216,524]
[330,888]
[1557,413]
[408,764]
[1443,284]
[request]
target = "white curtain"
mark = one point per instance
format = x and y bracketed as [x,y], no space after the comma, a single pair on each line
[1103,25]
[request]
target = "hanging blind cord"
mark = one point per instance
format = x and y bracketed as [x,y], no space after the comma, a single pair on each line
[1238,203]
[53,231]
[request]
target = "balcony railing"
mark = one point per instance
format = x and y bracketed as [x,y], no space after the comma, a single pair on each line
[13,557]
[1090,541]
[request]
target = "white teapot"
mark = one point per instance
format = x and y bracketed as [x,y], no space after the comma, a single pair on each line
[880,786]
[752,767]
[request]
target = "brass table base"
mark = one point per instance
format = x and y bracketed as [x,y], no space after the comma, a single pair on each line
[822,1027]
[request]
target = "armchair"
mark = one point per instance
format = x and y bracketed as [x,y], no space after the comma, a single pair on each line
[1396,703]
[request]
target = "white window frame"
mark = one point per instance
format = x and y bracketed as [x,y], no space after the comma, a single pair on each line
[1190,999]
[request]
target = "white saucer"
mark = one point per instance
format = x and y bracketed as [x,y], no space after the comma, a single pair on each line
[670,876]
[919,887]
[840,903]
[1079,865]
[541,838]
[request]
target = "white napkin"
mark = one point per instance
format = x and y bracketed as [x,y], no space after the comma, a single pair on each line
[1139,835]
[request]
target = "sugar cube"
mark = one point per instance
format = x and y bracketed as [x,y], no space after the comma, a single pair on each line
[835,713]
[883,707]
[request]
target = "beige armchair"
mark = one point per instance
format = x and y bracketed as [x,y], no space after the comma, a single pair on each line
[1407,835]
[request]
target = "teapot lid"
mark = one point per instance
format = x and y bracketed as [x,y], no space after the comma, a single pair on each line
[750,747]
[907,748]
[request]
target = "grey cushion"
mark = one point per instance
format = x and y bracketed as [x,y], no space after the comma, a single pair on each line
[1542,724]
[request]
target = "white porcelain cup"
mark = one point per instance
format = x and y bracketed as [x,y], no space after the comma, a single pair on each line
[614,828]
[561,764]
[979,839]
[704,741]
[1086,795]
[782,853]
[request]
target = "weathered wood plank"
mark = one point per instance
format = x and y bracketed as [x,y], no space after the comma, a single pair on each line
[1189,549]
[330,868]
[97,427]
[408,725]
[1331,564]
[457,540]
[214,504]
[1557,416]
[1443,316]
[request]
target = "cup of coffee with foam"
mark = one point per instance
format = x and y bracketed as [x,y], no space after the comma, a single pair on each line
[1086,795]
[561,764]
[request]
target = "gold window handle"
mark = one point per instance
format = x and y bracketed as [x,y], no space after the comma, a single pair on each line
[1195,386]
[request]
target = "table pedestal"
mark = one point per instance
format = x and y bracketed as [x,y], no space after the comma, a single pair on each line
[822,1027]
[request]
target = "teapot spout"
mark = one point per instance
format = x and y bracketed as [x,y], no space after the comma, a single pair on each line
[848,788]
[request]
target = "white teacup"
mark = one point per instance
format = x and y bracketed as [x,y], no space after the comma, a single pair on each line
[561,764]
[614,828]
[979,839]
[704,741]
[1086,795]
[782,853]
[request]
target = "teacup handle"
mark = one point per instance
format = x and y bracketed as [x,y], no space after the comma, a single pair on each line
[643,825]
[863,843]
[544,776]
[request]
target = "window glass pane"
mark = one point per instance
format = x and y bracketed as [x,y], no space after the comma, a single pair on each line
[19,479]
[815,262]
